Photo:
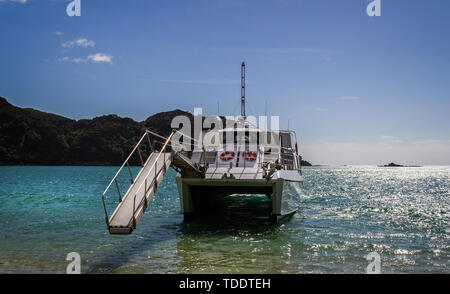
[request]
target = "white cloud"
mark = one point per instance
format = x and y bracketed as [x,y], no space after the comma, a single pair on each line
[96,58]
[82,42]
[63,59]
[18,1]
[100,58]
[67,59]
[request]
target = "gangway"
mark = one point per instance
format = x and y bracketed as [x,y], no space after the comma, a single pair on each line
[133,204]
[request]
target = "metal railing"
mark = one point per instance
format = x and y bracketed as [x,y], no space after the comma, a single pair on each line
[154,180]
[127,163]
[290,159]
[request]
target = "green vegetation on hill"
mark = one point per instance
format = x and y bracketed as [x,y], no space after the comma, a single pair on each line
[31,137]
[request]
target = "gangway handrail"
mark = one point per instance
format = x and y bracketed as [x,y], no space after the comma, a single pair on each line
[162,151]
[126,162]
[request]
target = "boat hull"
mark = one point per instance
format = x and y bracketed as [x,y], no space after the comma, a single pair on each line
[199,195]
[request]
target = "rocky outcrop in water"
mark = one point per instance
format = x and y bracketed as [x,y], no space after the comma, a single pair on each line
[305,163]
[397,165]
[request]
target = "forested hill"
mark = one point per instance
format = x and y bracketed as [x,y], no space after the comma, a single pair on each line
[32,137]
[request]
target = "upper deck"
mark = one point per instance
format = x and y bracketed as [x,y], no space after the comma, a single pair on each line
[247,148]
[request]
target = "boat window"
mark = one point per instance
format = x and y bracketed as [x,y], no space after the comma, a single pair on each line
[240,137]
[286,140]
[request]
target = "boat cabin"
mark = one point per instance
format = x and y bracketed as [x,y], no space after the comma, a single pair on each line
[249,148]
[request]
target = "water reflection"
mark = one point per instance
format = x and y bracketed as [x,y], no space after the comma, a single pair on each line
[239,238]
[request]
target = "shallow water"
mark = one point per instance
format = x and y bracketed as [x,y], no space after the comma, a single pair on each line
[346,213]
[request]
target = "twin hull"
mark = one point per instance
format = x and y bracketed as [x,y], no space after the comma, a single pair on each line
[203,194]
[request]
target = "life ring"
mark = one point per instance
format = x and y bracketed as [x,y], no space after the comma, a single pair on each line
[249,155]
[226,155]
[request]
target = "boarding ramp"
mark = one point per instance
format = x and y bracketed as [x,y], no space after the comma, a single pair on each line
[132,205]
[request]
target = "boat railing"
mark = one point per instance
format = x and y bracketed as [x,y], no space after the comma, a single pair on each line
[289,159]
[208,157]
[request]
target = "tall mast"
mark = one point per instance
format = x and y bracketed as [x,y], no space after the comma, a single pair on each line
[243,89]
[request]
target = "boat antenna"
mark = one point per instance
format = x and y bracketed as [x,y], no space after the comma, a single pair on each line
[265,108]
[243,89]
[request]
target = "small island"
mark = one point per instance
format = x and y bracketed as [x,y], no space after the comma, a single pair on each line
[305,163]
[397,165]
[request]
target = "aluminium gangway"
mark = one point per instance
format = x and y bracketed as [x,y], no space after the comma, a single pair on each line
[133,204]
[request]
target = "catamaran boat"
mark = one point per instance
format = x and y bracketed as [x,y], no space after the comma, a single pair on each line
[239,159]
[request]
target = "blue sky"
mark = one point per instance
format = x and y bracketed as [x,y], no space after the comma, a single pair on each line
[357,89]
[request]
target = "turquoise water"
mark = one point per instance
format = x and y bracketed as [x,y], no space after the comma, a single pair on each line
[346,213]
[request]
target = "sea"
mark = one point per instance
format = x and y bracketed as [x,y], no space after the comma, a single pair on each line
[347,215]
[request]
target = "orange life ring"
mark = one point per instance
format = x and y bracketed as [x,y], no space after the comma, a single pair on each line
[226,155]
[249,155]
